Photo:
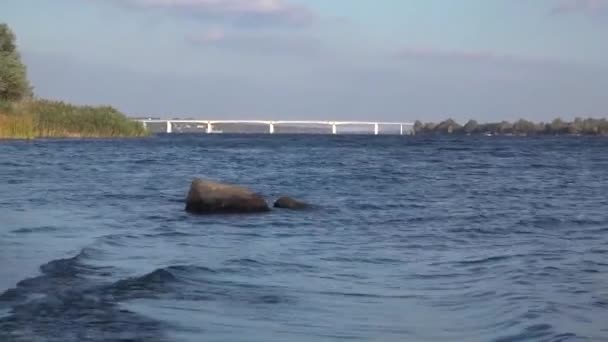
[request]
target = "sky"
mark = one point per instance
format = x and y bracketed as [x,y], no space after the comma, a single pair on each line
[390,60]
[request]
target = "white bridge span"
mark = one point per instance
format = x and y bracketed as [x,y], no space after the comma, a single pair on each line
[271,124]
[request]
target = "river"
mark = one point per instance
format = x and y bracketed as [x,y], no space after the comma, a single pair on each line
[409,239]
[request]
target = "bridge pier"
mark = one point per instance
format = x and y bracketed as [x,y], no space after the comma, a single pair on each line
[334,128]
[376,129]
[271,128]
[209,127]
[145,124]
[401,129]
[169,127]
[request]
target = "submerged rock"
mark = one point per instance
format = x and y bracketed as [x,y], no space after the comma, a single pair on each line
[207,197]
[290,203]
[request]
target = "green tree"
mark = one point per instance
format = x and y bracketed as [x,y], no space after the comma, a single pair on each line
[471,126]
[603,126]
[448,126]
[14,85]
[505,127]
[522,126]
[418,127]
[557,126]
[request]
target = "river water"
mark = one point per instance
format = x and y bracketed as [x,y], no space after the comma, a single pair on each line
[410,239]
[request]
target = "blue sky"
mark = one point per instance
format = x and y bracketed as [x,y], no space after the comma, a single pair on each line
[320,59]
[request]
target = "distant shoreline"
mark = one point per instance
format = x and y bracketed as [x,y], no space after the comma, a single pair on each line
[557,127]
[520,128]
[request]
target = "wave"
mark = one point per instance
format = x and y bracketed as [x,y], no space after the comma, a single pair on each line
[168,234]
[149,285]
[373,261]
[159,282]
[532,332]
[62,304]
[58,307]
[486,260]
[274,266]
[365,295]
[244,262]
[43,229]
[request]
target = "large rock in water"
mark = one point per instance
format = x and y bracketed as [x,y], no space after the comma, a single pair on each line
[289,203]
[207,197]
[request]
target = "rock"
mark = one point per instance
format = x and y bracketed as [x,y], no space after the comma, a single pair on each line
[207,197]
[290,203]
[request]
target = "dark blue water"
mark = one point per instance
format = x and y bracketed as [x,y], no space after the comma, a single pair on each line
[412,239]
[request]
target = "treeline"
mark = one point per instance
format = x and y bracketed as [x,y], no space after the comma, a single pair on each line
[521,127]
[23,116]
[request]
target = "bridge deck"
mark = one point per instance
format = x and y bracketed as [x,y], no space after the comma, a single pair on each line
[271,123]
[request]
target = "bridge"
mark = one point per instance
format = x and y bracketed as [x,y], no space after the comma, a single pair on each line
[208,125]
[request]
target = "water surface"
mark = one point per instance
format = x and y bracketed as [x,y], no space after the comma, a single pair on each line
[412,239]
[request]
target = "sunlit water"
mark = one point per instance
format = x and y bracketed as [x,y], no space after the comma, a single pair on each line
[410,239]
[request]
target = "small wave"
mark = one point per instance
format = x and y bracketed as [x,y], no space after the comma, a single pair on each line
[157,276]
[244,262]
[601,303]
[10,295]
[295,266]
[13,164]
[373,261]
[146,161]
[89,253]
[119,196]
[168,234]
[542,166]
[157,282]
[73,267]
[598,251]
[455,148]
[115,240]
[157,217]
[364,295]
[61,305]
[56,275]
[43,229]
[188,269]
[65,268]
[552,222]
[491,259]
[530,333]
[76,315]
[150,282]
[283,266]
[268,299]
[437,276]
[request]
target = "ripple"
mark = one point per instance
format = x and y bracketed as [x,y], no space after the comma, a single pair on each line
[531,332]
[42,229]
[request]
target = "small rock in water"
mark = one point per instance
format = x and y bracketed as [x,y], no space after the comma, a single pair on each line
[207,197]
[290,203]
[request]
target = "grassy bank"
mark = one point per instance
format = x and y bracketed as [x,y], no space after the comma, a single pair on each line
[51,119]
